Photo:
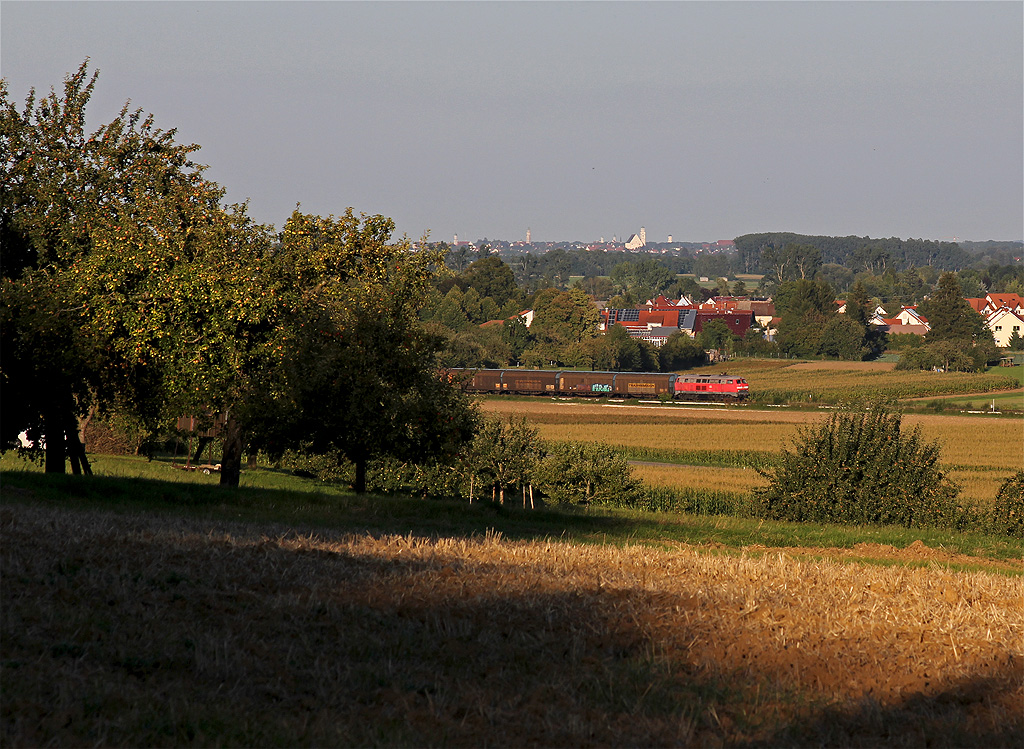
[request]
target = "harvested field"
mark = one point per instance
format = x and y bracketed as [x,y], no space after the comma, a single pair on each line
[844,366]
[137,630]
[980,451]
[787,381]
[991,442]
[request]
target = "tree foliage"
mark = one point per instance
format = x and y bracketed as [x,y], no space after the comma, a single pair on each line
[950,316]
[585,473]
[490,277]
[680,351]
[105,236]
[644,278]
[357,376]
[805,307]
[127,284]
[504,456]
[861,467]
[1007,513]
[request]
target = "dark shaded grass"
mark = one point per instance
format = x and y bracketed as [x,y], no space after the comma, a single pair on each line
[315,506]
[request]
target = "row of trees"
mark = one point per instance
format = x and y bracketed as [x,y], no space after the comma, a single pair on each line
[508,463]
[781,256]
[790,256]
[129,287]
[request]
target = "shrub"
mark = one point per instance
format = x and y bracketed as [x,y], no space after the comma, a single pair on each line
[692,501]
[901,341]
[331,469]
[861,467]
[1007,513]
[504,455]
[586,472]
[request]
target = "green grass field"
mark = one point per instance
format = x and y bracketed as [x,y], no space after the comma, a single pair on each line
[130,484]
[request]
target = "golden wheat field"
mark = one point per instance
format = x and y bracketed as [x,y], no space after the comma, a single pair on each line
[980,451]
[141,630]
[832,381]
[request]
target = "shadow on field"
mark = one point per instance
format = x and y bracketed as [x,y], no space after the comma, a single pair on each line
[314,506]
[141,630]
[959,716]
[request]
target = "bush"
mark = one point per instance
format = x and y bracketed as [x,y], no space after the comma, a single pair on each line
[902,341]
[1007,513]
[861,467]
[331,469]
[587,473]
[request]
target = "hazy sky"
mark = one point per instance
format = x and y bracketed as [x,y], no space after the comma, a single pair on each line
[703,120]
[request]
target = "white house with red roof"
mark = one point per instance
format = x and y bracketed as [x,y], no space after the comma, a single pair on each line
[526,316]
[1012,302]
[978,304]
[909,320]
[1003,323]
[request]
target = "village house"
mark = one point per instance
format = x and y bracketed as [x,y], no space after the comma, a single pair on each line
[1003,314]
[660,317]
[1003,323]
[878,311]
[1012,302]
[909,320]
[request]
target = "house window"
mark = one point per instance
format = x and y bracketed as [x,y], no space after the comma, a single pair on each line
[999,327]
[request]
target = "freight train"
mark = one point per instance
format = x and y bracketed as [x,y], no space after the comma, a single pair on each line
[607,384]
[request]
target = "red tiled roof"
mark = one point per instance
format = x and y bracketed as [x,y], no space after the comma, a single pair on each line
[1005,300]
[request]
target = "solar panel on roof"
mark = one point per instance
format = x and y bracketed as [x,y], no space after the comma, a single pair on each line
[629,315]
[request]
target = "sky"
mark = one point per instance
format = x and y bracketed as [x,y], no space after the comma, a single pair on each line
[578,121]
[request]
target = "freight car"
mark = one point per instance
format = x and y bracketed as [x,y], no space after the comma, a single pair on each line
[613,384]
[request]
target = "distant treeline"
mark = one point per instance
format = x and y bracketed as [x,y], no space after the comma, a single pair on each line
[994,253]
[755,253]
[855,253]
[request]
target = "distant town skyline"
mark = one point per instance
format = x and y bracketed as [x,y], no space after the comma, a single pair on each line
[703,120]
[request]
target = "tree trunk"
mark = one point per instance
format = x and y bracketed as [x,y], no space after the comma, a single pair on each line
[203,442]
[75,448]
[84,426]
[359,485]
[231,458]
[53,433]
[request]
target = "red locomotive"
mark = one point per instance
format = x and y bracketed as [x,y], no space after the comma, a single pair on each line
[612,384]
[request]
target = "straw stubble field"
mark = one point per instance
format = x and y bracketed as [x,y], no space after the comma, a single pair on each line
[139,630]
